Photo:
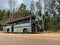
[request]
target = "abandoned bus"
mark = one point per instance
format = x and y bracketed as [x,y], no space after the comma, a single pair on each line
[22,25]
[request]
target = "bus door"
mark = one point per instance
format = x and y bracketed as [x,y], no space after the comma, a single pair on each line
[12,29]
[33,28]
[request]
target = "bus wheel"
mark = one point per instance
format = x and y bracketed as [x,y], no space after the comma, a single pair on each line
[25,30]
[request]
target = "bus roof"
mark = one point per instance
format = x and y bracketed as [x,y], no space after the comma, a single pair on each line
[20,19]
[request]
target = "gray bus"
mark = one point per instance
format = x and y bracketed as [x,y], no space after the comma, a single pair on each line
[23,25]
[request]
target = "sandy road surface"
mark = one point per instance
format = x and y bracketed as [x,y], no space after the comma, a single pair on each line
[30,39]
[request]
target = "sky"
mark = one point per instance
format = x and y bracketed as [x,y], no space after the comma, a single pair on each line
[4,3]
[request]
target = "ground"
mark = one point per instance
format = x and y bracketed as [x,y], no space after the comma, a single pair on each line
[30,39]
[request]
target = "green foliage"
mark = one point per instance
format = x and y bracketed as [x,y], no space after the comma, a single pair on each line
[8,13]
[23,7]
[23,11]
[33,21]
[47,24]
[55,24]
[2,13]
[58,1]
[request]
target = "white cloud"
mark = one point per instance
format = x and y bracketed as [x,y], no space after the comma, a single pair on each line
[19,1]
[4,3]
[35,0]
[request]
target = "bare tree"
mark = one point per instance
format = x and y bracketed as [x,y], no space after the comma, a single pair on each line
[39,9]
[32,7]
[11,8]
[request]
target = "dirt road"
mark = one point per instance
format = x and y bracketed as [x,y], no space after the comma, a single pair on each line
[29,39]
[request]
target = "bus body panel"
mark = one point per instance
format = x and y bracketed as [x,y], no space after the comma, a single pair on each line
[5,28]
[20,27]
[15,30]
